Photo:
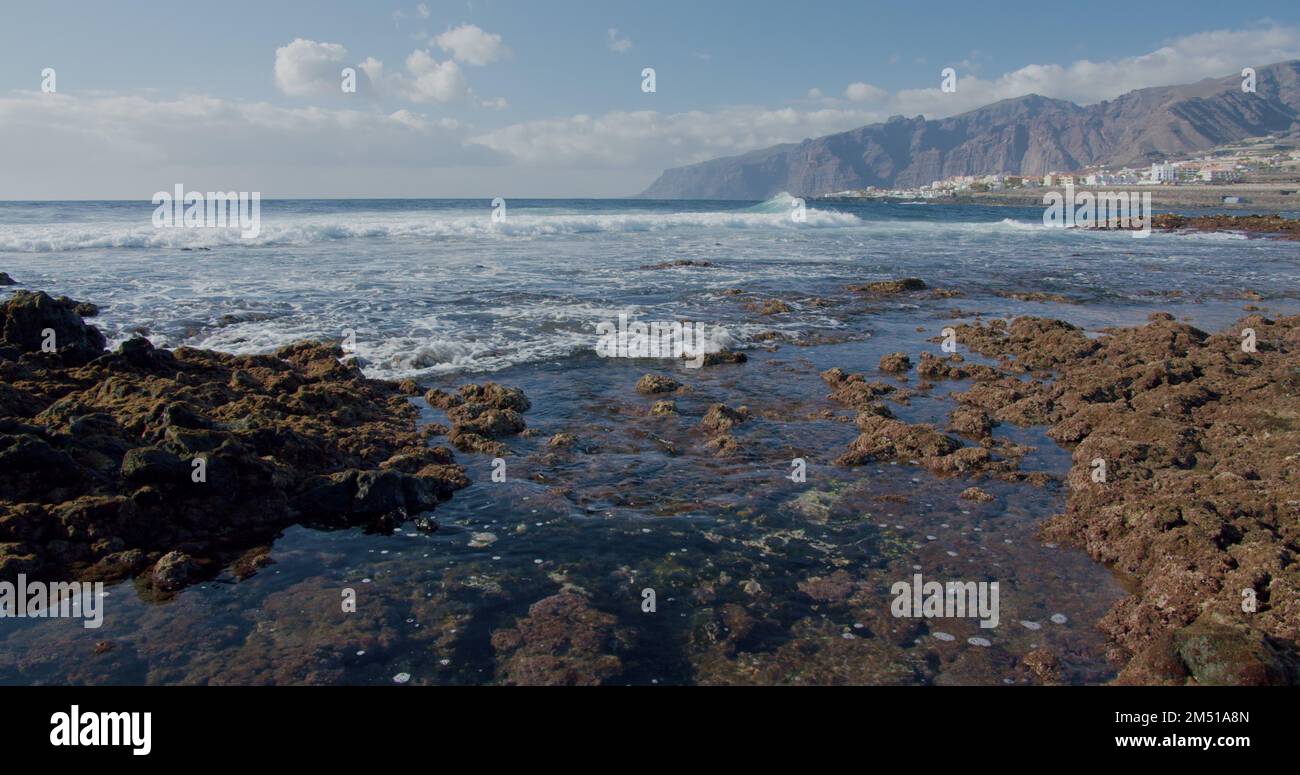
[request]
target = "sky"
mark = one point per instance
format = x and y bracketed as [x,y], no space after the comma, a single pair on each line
[541,98]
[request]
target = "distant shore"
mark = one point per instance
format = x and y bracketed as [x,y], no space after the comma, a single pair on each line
[1255,197]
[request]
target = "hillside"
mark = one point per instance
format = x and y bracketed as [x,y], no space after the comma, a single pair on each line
[1028,135]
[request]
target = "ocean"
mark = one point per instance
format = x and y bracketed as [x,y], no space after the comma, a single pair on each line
[440,292]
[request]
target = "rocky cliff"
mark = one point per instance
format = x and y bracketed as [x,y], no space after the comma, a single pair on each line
[1028,135]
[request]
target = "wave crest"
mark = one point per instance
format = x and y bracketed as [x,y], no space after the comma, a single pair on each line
[85,236]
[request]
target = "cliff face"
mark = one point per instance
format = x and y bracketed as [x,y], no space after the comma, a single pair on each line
[1029,135]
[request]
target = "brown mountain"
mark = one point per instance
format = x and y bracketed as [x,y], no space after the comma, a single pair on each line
[1028,135]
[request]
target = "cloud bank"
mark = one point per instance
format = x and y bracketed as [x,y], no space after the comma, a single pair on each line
[129,145]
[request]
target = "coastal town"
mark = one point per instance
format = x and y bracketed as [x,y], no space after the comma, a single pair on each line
[1259,161]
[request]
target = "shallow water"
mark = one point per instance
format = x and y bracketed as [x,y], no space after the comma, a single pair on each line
[434,291]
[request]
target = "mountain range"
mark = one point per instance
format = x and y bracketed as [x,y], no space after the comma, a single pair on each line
[1030,135]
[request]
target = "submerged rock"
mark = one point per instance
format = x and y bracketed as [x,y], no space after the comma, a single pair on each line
[895,363]
[482,540]
[770,307]
[853,390]
[173,571]
[976,494]
[890,287]
[656,383]
[664,407]
[681,262]
[481,414]
[562,641]
[563,440]
[723,356]
[721,418]
[884,438]
[1045,665]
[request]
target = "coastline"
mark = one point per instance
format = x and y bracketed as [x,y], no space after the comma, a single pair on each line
[1257,198]
[170,464]
[1147,397]
[1183,481]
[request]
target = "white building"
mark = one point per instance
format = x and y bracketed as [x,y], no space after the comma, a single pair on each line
[1211,175]
[1164,173]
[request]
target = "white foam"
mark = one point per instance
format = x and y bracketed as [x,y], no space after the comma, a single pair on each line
[297,230]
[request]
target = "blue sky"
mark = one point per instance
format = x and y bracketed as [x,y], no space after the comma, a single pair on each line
[493,97]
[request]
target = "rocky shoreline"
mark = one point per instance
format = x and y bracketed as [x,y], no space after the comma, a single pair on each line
[1185,478]
[167,464]
[1251,225]
[1186,482]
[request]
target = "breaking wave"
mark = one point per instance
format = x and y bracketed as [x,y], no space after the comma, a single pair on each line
[51,238]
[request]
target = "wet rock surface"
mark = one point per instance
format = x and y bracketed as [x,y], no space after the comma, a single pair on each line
[890,287]
[111,463]
[656,383]
[895,363]
[562,641]
[482,414]
[1263,225]
[1186,479]
[760,578]
[681,262]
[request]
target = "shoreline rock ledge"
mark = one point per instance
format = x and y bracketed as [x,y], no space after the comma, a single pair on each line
[168,464]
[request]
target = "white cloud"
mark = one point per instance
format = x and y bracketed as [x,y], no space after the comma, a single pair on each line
[862,92]
[617,44]
[648,140]
[310,68]
[56,145]
[425,79]
[1184,60]
[137,145]
[422,11]
[431,80]
[471,45]
[305,67]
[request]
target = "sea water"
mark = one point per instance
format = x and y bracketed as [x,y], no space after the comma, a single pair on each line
[439,291]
